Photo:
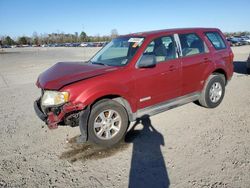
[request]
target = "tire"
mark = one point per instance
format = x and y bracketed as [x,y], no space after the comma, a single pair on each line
[108,123]
[213,91]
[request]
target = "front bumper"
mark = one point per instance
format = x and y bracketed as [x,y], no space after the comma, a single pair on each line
[38,111]
[52,119]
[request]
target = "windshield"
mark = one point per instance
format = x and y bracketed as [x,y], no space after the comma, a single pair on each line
[118,52]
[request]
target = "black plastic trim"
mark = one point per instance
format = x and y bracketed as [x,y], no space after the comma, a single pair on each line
[38,111]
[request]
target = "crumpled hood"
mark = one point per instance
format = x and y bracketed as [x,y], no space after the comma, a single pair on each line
[64,73]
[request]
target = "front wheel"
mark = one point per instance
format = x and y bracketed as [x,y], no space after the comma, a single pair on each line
[213,91]
[108,123]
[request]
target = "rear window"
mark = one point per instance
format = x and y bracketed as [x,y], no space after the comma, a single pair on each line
[216,40]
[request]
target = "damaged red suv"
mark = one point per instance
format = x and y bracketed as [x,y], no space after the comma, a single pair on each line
[132,76]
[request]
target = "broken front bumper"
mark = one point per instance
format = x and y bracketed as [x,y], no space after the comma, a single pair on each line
[54,117]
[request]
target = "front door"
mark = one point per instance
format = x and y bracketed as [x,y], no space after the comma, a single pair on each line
[162,82]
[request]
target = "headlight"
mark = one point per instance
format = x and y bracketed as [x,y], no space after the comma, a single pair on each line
[51,98]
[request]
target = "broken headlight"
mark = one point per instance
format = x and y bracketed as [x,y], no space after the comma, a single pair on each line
[52,98]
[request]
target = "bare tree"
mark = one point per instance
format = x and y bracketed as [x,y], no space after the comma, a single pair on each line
[35,38]
[114,33]
[76,37]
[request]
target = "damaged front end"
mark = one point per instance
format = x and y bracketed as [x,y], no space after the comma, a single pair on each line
[66,114]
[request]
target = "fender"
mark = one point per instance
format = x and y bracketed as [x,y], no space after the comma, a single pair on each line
[216,67]
[90,96]
[92,91]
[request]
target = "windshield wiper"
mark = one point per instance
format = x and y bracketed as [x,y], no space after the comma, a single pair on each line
[98,63]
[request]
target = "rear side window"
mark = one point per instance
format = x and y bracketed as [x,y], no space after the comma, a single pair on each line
[191,44]
[216,40]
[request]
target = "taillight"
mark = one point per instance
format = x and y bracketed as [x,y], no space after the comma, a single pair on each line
[231,55]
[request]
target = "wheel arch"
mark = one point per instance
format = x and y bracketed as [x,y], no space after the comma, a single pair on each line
[214,70]
[222,72]
[118,98]
[84,117]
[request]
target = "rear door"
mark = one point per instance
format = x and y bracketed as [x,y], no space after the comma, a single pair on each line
[195,58]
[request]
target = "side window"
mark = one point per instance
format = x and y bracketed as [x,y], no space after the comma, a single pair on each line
[216,40]
[163,48]
[191,44]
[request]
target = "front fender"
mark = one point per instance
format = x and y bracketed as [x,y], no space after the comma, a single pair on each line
[87,93]
[90,96]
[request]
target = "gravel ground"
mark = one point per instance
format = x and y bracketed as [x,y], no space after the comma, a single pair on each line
[189,146]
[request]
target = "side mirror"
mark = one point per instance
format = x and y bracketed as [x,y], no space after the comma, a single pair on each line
[147,61]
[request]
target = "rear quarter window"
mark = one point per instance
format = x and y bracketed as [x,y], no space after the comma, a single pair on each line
[216,40]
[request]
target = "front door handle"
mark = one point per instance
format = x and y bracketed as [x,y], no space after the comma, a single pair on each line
[172,68]
[206,59]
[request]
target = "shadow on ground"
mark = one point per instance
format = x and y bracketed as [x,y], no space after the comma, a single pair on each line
[147,168]
[240,67]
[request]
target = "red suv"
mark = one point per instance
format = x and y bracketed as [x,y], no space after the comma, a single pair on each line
[135,75]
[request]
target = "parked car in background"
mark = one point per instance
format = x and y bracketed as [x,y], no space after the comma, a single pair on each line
[55,45]
[90,44]
[5,46]
[134,76]
[83,44]
[235,41]
[98,44]
[245,39]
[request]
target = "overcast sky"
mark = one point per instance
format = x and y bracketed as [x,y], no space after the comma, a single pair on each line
[23,17]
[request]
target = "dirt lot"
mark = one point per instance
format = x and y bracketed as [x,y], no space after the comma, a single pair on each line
[189,146]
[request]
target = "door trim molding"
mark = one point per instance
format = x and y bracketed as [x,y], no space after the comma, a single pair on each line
[167,105]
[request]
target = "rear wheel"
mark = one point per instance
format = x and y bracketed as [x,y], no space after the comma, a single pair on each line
[108,123]
[213,91]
